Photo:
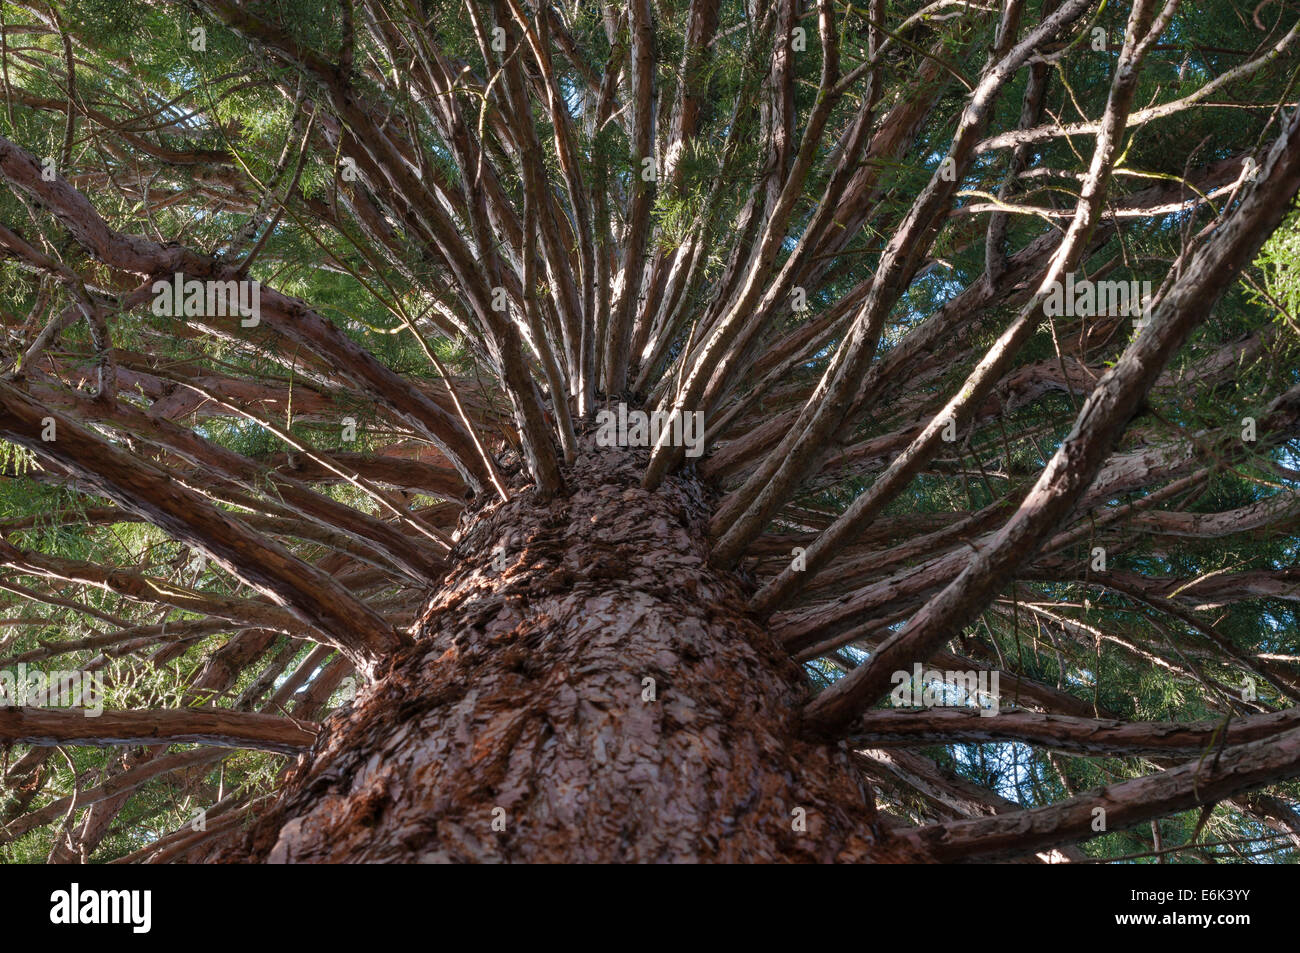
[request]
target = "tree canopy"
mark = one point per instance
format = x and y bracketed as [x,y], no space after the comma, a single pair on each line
[850,235]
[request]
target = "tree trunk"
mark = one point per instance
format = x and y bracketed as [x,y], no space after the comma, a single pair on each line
[603,697]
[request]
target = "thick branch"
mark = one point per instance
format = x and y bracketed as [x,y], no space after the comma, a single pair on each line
[48,727]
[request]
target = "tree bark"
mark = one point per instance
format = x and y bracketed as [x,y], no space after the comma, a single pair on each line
[216,727]
[524,700]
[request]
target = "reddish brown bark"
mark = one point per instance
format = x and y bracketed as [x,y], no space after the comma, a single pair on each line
[524,691]
[216,727]
[1097,736]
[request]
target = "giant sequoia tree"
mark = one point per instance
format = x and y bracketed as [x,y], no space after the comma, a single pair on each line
[628,431]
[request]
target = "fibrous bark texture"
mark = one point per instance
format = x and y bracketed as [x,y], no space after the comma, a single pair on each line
[582,688]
